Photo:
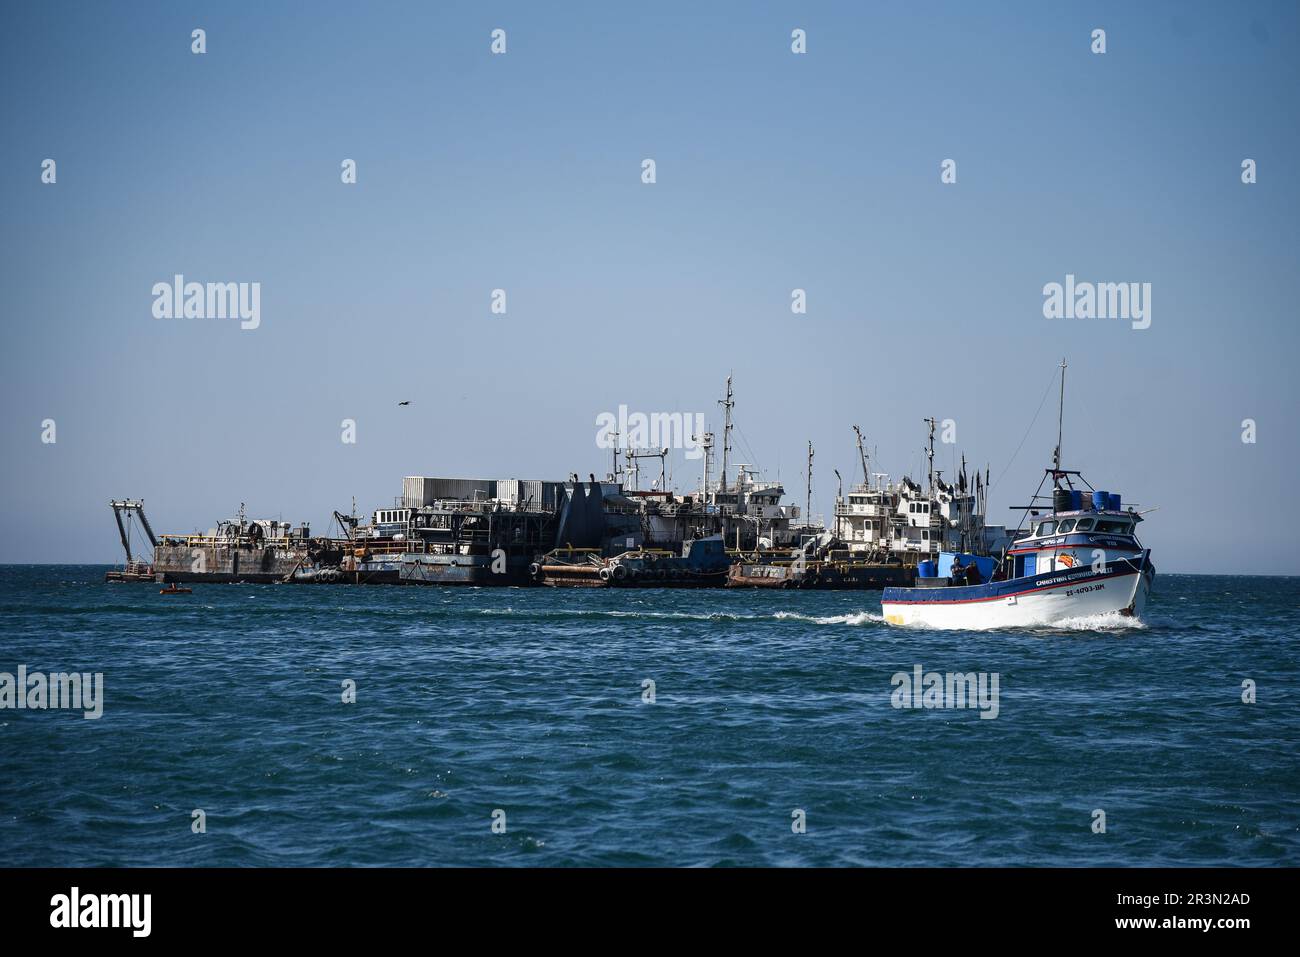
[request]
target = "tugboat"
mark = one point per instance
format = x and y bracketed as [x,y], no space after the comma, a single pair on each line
[1080,559]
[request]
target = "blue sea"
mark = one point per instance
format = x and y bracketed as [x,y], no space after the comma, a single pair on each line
[772,714]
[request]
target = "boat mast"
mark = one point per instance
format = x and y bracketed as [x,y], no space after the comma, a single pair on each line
[1060,421]
[930,453]
[706,443]
[862,454]
[727,405]
[807,514]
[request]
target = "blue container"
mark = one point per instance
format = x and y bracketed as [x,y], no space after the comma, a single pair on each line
[1076,500]
[926,569]
[1100,500]
[1115,502]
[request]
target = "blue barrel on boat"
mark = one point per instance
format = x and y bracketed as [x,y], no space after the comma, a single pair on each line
[926,569]
[1100,500]
[1115,502]
[1076,499]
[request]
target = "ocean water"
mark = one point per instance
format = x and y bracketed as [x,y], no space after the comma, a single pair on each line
[527,706]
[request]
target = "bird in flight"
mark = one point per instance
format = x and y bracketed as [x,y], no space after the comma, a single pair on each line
[407,402]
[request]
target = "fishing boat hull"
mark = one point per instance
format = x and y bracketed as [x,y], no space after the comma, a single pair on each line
[1121,587]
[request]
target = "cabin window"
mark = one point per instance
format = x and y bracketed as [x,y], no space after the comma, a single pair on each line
[1066,526]
[1114,528]
[1047,528]
[1084,525]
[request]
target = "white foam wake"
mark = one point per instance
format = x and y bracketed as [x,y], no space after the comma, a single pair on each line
[859,618]
[1104,621]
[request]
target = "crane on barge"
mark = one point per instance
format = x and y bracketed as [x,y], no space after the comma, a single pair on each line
[135,569]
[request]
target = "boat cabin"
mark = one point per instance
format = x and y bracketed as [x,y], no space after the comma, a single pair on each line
[1060,541]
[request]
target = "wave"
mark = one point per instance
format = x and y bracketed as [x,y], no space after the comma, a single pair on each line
[857,618]
[1105,621]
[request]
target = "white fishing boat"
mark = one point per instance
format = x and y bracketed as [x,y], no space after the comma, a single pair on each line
[1079,559]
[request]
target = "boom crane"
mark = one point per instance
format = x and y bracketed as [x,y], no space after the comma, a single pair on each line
[136,569]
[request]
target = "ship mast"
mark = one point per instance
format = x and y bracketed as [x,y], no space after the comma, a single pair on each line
[807,514]
[1060,421]
[706,443]
[727,405]
[930,452]
[862,454]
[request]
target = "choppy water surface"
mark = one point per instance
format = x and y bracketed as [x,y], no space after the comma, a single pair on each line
[531,701]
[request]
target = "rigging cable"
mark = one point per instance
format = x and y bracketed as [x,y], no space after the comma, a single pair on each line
[1027,431]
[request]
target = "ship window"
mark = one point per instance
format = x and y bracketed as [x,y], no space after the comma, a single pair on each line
[1084,525]
[1066,526]
[1115,528]
[1047,528]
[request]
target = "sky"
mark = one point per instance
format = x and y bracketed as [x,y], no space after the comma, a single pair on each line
[523,171]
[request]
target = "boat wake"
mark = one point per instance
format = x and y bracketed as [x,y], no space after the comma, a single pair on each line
[1106,621]
[859,618]
[856,618]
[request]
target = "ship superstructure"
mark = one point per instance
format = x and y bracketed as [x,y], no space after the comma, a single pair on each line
[904,521]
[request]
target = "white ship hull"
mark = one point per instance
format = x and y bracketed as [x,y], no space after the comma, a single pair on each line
[1045,600]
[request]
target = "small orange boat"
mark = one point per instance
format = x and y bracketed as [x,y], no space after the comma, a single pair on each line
[175,590]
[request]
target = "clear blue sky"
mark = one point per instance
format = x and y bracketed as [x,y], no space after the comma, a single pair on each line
[522,171]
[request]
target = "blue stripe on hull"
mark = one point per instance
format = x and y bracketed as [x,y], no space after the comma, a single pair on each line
[960,594]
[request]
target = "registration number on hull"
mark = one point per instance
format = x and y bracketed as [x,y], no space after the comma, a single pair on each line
[1084,589]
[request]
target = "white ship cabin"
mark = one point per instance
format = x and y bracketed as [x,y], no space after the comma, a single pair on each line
[387,522]
[862,518]
[1061,541]
[759,502]
[904,519]
[921,529]
[898,517]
